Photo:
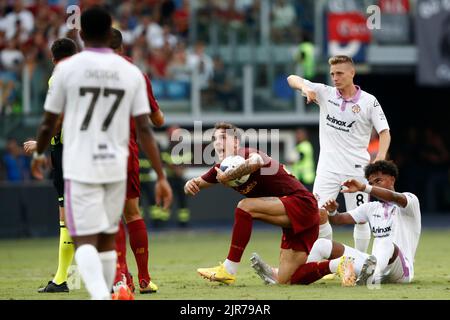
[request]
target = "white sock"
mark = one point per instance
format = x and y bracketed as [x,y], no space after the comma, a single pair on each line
[91,271]
[231,266]
[321,250]
[361,235]
[358,257]
[383,251]
[109,260]
[325,231]
[334,264]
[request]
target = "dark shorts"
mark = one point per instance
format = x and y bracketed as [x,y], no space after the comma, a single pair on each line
[57,174]
[133,183]
[303,212]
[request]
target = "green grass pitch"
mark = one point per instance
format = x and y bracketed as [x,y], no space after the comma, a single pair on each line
[25,264]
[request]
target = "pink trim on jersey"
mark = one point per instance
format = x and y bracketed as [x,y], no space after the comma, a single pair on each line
[404,266]
[69,212]
[99,50]
[353,99]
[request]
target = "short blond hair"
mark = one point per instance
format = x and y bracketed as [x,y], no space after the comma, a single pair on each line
[340,59]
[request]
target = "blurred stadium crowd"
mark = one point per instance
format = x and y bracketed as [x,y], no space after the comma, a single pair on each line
[157,36]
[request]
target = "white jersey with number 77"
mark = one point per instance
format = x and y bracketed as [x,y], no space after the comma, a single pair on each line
[98,91]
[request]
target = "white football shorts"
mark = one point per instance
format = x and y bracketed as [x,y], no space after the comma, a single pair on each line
[93,208]
[327,185]
[399,271]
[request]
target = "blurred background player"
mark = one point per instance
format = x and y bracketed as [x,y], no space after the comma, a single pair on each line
[396,226]
[274,197]
[61,49]
[136,227]
[347,116]
[304,168]
[175,170]
[95,184]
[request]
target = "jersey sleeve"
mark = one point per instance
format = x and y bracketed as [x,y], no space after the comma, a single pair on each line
[56,95]
[378,118]
[210,175]
[319,88]
[140,104]
[412,207]
[359,214]
[151,98]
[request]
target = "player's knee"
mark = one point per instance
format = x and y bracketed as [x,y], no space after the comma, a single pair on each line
[322,246]
[323,216]
[245,205]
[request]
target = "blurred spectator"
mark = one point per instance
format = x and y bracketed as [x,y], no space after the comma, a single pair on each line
[151,29]
[15,162]
[175,170]
[200,61]
[157,63]
[178,68]
[11,61]
[436,158]
[304,57]
[222,87]
[18,22]
[283,21]
[181,19]
[304,167]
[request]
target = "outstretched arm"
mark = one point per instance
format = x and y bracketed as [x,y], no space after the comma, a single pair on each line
[378,192]
[334,217]
[297,83]
[194,186]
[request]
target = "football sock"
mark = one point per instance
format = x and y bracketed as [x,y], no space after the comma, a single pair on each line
[139,245]
[121,249]
[325,231]
[109,259]
[361,235]
[242,230]
[65,255]
[309,272]
[358,257]
[231,266]
[320,250]
[334,264]
[91,271]
[383,251]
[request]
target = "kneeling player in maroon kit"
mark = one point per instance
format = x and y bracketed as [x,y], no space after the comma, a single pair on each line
[277,198]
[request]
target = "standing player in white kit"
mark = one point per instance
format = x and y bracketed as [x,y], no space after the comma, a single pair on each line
[347,117]
[98,91]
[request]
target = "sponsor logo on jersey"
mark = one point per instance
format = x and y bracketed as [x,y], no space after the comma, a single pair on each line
[247,188]
[333,102]
[381,232]
[356,108]
[339,124]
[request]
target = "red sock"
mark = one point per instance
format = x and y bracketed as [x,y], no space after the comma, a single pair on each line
[121,249]
[242,230]
[139,244]
[309,272]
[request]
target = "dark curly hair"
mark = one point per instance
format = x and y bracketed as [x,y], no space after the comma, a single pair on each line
[383,166]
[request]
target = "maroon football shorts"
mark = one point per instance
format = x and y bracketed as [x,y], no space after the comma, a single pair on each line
[303,213]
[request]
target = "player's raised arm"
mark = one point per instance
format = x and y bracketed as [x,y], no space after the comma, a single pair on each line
[297,83]
[378,192]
